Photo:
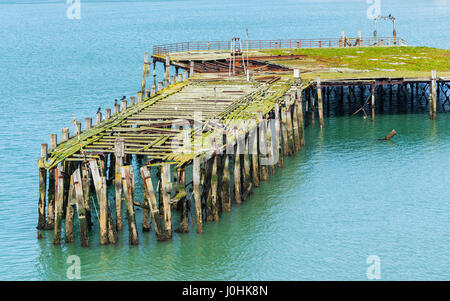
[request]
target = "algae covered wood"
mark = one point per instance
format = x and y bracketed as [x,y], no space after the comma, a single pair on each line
[152,202]
[128,192]
[80,202]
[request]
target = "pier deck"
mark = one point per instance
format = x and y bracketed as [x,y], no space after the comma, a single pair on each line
[232,129]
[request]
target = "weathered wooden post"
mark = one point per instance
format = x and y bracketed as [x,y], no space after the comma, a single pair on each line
[119,153]
[151,202]
[65,134]
[70,213]
[225,197]
[166,192]
[132,101]
[172,80]
[59,199]
[102,198]
[197,194]
[78,128]
[180,197]
[116,108]
[86,184]
[42,187]
[191,68]
[50,225]
[139,96]
[98,118]
[88,123]
[128,192]
[79,197]
[167,72]
[433,100]
[237,168]
[320,102]
[145,71]
[124,105]
[160,86]
[214,182]
[372,103]
[342,39]
[153,91]
[295,123]
[276,109]
[253,133]
[264,174]
[300,117]
[247,180]
[154,71]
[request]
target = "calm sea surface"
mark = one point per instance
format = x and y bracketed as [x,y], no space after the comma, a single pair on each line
[344,197]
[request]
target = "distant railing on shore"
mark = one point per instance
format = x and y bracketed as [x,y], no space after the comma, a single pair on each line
[274,44]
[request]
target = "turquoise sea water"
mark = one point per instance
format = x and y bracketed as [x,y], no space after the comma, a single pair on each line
[344,197]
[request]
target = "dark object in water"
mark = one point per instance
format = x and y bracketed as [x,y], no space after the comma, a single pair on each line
[389,136]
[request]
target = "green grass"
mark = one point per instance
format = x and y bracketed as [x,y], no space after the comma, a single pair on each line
[368,61]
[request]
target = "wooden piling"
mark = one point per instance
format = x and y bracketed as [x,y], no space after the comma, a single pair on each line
[80,203]
[301,129]
[166,192]
[86,190]
[101,191]
[145,71]
[278,134]
[59,200]
[320,102]
[119,153]
[247,188]
[372,103]
[108,113]
[151,202]
[70,212]
[167,72]
[225,197]
[295,124]
[124,105]
[116,108]
[181,198]
[128,192]
[433,100]
[253,133]
[214,184]
[237,168]
[98,119]
[197,194]
[263,148]
[50,224]
[65,134]
[88,123]
[132,101]
[42,188]
[191,68]
[160,86]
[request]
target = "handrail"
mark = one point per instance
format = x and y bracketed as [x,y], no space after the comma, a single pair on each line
[273,44]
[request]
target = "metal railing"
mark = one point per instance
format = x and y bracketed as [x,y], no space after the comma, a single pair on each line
[274,44]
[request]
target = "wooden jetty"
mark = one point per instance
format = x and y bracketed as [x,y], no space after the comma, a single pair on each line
[216,127]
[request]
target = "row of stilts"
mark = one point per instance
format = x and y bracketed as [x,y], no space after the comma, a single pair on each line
[236,162]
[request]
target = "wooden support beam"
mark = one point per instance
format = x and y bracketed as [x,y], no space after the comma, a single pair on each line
[197,194]
[299,104]
[128,184]
[295,123]
[59,200]
[145,72]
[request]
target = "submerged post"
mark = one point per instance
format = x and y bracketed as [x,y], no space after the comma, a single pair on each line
[372,105]
[119,153]
[166,191]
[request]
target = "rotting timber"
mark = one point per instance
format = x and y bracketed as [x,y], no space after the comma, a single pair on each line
[204,138]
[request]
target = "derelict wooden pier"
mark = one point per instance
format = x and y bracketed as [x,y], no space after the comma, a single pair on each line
[215,128]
